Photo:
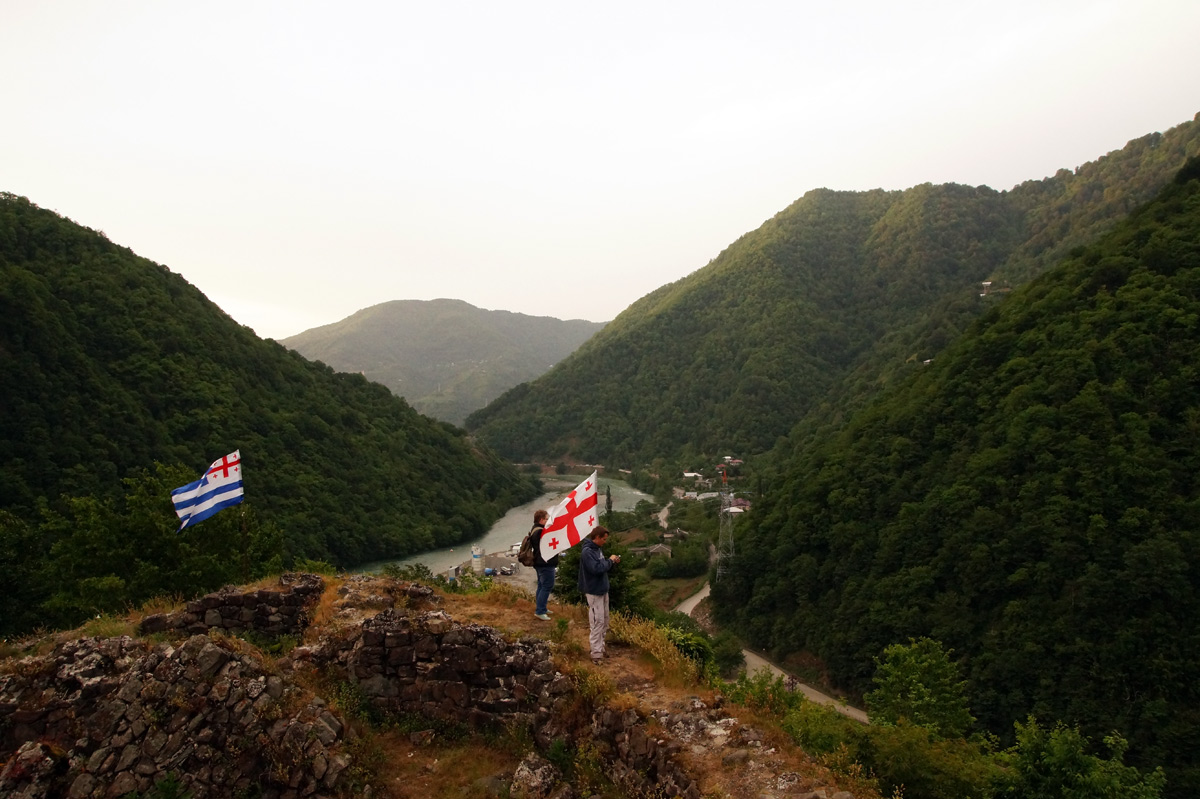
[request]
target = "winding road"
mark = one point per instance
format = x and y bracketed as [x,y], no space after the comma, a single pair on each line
[755,662]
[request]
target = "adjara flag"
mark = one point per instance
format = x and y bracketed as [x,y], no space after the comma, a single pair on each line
[571,520]
[217,488]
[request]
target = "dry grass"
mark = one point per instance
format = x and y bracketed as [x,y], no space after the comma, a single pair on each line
[451,771]
[158,605]
[507,593]
[671,665]
[323,612]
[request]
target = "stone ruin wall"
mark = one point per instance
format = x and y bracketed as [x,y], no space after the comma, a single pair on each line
[268,612]
[104,717]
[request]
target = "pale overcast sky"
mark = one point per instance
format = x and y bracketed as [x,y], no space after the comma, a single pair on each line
[298,161]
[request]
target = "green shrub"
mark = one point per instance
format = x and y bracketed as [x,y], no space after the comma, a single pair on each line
[468,582]
[919,683]
[913,759]
[314,567]
[821,730]
[763,692]
[1049,763]
[727,653]
[694,646]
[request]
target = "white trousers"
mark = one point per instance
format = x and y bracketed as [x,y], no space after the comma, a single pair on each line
[598,616]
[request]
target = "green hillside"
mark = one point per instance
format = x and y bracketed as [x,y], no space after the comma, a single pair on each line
[1031,499]
[113,363]
[445,357]
[810,314]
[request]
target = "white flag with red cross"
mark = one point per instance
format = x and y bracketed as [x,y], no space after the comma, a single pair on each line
[571,520]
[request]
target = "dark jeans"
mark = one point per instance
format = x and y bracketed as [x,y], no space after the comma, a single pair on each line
[545,576]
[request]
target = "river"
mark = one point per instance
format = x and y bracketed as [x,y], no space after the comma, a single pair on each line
[513,526]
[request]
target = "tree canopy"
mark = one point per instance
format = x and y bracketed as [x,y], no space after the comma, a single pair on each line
[806,317]
[1031,499]
[112,364]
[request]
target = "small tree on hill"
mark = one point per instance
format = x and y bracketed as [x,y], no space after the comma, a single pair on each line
[918,682]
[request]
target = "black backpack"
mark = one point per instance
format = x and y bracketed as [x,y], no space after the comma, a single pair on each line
[525,554]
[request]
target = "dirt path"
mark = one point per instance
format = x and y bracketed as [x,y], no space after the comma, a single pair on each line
[755,662]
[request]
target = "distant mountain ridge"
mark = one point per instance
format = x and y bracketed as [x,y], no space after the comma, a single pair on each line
[810,314]
[446,357]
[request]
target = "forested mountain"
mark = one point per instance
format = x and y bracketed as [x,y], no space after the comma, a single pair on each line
[112,364]
[807,316]
[447,358]
[1031,499]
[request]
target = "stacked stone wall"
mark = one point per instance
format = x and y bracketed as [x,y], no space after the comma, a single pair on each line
[268,612]
[106,717]
[427,664]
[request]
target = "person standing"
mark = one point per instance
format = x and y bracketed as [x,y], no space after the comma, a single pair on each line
[593,582]
[545,568]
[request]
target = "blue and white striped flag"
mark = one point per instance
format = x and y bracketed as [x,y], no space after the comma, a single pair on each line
[220,487]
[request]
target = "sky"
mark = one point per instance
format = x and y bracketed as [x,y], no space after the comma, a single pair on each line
[299,161]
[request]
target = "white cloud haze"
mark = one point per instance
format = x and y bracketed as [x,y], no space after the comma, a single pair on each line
[298,161]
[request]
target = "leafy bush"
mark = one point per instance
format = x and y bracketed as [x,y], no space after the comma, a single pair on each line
[1048,763]
[820,730]
[913,759]
[727,653]
[315,567]
[694,646]
[655,641]
[763,692]
[919,683]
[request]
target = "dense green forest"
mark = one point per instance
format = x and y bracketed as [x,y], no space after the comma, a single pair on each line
[803,319]
[113,364]
[447,358]
[1031,499]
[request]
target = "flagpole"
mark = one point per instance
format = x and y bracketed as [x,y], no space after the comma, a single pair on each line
[245,550]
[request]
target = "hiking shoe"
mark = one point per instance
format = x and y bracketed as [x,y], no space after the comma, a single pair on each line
[541,616]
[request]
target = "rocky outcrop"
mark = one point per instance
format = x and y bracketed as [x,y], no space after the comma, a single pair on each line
[426,663]
[106,717]
[641,757]
[269,612]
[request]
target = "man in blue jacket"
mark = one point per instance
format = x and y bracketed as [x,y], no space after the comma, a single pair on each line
[593,582]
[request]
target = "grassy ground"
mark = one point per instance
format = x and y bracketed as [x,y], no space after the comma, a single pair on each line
[667,594]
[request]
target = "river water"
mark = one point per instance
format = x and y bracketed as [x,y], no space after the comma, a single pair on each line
[513,526]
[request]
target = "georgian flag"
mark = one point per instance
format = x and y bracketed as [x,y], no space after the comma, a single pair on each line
[219,487]
[571,520]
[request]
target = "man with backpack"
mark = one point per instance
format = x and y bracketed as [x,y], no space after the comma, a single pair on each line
[545,568]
